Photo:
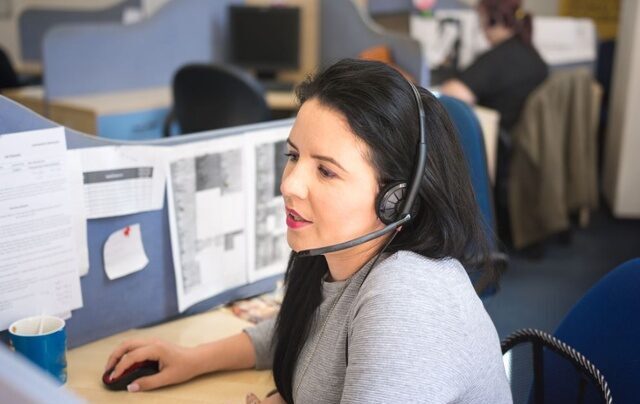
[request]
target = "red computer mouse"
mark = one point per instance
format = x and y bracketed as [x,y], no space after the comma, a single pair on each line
[135,371]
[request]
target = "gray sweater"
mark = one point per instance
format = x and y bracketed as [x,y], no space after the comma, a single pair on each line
[415,331]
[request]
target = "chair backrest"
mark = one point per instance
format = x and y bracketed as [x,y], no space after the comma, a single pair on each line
[604,327]
[209,97]
[553,168]
[472,141]
[8,76]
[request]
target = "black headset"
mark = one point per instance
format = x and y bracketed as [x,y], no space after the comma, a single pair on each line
[391,198]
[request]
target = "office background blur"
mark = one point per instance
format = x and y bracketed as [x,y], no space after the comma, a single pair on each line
[543,280]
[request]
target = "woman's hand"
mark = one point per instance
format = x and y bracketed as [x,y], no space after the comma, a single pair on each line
[177,364]
[272,399]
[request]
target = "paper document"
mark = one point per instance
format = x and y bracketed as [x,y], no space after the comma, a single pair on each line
[38,250]
[76,196]
[226,213]
[122,180]
[265,208]
[124,252]
[207,218]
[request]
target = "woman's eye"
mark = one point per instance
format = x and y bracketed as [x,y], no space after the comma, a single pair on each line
[292,156]
[326,173]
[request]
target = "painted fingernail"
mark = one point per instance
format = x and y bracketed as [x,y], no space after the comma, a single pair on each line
[111,376]
[133,387]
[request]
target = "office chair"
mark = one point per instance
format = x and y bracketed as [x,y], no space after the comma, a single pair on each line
[602,327]
[8,76]
[552,170]
[207,97]
[472,141]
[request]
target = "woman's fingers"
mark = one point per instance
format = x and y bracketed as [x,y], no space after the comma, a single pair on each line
[151,382]
[147,352]
[122,349]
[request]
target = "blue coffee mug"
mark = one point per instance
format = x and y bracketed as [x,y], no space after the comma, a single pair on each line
[42,340]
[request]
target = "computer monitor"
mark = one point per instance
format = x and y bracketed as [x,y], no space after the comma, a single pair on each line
[265,39]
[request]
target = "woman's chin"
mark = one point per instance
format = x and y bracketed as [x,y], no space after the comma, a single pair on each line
[297,244]
[294,244]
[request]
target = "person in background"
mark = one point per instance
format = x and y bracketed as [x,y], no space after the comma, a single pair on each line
[503,77]
[394,319]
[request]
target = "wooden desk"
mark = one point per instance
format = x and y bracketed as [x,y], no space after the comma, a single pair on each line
[31,97]
[282,100]
[86,365]
[136,114]
[32,68]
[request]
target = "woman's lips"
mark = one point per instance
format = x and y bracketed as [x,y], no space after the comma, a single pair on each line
[295,220]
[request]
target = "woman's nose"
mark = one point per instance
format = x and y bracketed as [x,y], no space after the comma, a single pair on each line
[294,183]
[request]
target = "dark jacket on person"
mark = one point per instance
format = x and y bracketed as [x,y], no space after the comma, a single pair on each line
[503,77]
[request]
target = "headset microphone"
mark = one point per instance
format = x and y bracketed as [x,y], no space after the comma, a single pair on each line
[390,197]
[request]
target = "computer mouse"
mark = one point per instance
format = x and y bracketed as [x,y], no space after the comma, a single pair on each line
[135,371]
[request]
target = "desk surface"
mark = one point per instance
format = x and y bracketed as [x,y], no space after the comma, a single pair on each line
[125,101]
[86,365]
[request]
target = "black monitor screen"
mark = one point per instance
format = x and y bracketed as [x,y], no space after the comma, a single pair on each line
[264,38]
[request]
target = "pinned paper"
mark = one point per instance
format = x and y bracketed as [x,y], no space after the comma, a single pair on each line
[124,252]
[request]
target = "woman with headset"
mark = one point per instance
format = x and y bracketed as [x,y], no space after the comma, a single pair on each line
[382,221]
[504,76]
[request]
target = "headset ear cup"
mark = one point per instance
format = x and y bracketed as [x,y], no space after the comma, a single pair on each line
[389,201]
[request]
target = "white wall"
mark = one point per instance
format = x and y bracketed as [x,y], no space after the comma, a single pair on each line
[621,162]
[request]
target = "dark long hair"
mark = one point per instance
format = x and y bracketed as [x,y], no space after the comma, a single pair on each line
[381,110]
[510,14]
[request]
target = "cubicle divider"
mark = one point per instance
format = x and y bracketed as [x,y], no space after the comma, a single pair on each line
[34,22]
[346,30]
[145,297]
[136,56]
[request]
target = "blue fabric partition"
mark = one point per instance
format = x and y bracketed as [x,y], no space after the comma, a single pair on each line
[34,23]
[136,56]
[148,296]
[345,31]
